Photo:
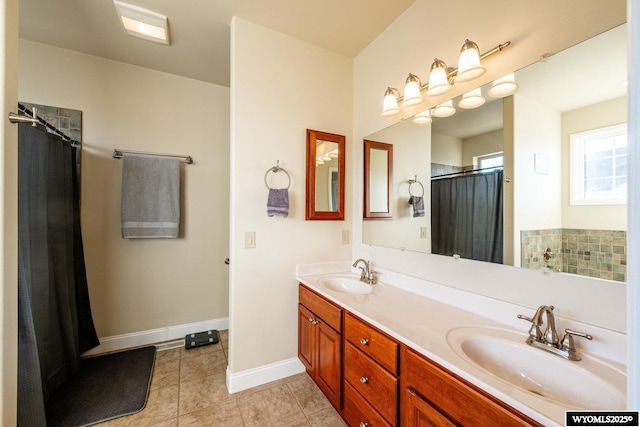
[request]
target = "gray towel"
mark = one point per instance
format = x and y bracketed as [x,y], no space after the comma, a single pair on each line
[418,205]
[150,204]
[278,202]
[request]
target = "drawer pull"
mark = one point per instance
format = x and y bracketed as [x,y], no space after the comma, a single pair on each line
[364,380]
[364,341]
[363,424]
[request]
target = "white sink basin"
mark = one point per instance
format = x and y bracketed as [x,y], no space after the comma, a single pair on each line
[346,284]
[586,384]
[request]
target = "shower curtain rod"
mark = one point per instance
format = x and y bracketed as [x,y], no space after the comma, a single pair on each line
[118,154]
[472,171]
[32,117]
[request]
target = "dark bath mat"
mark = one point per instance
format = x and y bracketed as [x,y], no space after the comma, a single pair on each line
[106,387]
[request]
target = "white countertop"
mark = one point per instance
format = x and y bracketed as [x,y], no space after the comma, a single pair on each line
[419,314]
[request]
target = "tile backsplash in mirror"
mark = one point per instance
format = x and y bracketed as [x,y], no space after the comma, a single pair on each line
[594,253]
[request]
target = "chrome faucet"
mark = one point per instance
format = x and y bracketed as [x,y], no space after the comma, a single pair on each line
[549,339]
[366,274]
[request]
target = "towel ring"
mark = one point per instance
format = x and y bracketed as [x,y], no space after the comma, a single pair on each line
[276,169]
[415,181]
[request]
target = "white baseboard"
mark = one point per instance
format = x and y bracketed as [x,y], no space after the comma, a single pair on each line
[254,377]
[152,336]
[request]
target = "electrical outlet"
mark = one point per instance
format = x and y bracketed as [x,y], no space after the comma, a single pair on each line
[345,237]
[249,239]
[423,232]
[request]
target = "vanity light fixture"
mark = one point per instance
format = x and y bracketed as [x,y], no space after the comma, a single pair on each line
[438,78]
[444,110]
[469,67]
[391,98]
[143,23]
[504,86]
[412,87]
[423,118]
[441,78]
[472,99]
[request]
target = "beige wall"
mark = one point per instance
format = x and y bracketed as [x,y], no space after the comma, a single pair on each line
[481,145]
[8,212]
[139,285]
[386,62]
[602,217]
[280,87]
[446,150]
[536,196]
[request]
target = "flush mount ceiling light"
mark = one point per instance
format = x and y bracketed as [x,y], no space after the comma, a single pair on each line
[143,23]
[441,78]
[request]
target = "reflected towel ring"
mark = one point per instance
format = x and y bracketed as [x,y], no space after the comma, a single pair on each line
[276,169]
[415,181]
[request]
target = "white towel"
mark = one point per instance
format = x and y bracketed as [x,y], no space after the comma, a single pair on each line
[150,206]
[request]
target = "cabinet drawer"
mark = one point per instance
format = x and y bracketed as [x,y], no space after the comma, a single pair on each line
[461,401]
[358,412]
[376,344]
[375,384]
[330,313]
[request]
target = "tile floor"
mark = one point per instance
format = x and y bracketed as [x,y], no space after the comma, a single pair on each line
[188,389]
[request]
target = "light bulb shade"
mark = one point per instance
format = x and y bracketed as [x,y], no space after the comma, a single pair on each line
[319,161]
[438,80]
[390,103]
[326,158]
[472,99]
[469,66]
[412,94]
[444,110]
[504,86]
[423,118]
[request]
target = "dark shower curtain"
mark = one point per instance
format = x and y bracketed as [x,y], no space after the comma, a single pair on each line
[466,216]
[54,316]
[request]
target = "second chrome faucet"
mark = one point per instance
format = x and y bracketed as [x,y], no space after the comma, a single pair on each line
[548,340]
[366,274]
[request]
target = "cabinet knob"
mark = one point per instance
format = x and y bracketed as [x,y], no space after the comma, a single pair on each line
[363,424]
[364,380]
[311,320]
[364,341]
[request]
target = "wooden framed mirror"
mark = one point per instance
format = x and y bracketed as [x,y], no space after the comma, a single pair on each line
[325,176]
[378,172]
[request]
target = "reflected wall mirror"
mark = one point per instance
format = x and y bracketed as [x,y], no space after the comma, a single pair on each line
[561,96]
[378,179]
[325,176]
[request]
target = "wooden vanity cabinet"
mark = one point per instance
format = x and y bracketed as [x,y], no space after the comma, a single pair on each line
[320,342]
[370,375]
[433,396]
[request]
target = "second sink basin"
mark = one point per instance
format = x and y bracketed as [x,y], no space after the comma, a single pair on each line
[587,384]
[347,284]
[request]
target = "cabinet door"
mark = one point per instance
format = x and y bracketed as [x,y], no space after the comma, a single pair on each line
[328,366]
[306,338]
[419,413]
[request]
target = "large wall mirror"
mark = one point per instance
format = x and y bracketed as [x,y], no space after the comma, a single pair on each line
[527,139]
[325,176]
